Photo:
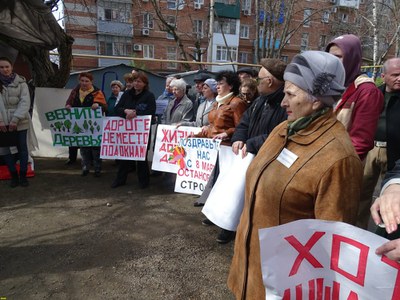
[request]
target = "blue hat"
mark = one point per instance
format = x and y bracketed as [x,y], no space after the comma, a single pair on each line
[212,84]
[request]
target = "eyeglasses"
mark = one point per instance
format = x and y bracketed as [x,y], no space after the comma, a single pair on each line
[261,78]
[247,94]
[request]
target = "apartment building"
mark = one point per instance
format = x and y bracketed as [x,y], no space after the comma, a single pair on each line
[159,34]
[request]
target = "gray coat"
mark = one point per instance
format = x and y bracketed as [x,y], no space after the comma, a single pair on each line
[182,113]
[202,115]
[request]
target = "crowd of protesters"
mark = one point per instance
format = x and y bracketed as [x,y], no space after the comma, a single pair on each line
[321,131]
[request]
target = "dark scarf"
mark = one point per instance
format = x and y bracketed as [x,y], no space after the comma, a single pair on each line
[7,80]
[303,122]
[176,103]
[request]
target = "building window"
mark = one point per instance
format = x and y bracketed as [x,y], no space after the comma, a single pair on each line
[226,54]
[148,21]
[171,56]
[246,5]
[114,45]
[243,57]
[225,25]
[201,2]
[285,58]
[171,4]
[198,28]
[325,16]
[304,42]
[170,36]
[175,4]
[307,17]
[148,51]
[171,20]
[344,18]
[114,11]
[322,42]
[244,31]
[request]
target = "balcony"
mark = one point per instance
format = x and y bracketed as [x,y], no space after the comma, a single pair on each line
[346,3]
[231,11]
[114,28]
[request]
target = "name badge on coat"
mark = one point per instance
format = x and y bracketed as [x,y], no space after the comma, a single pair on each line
[287,158]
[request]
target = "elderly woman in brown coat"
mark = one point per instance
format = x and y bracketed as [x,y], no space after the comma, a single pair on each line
[306,169]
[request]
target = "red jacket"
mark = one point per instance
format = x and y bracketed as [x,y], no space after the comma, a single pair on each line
[359,111]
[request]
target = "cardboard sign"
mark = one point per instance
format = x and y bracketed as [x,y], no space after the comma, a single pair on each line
[125,139]
[77,127]
[314,259]
[225,203]
[196,158]
[167,138]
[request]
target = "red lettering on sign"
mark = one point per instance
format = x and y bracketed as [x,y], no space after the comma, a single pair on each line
[335,290]
[107,127]
[121,123]
[318,291]
[147,124]
[396,265]
[362,259]
[311,290]
[304,251]
[320,288]
[299,292]
[286,295]
[352,296]
[165,138]
[164,158]
[327,293]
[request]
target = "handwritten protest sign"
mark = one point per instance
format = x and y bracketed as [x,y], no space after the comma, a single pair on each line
[314,259]
[167,138]
[77,127]
[196,158]
[125,139]
[225,203]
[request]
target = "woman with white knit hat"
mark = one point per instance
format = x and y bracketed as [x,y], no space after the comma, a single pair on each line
[209,92]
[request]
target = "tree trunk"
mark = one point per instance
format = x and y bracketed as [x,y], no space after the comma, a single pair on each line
[44,72]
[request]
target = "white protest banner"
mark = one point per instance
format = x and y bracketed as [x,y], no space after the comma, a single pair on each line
[125,139]
[167,138]
[75,127]
[314,259]
[196,158]
[224,205]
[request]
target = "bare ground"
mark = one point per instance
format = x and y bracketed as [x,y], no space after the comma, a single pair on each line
[59,240]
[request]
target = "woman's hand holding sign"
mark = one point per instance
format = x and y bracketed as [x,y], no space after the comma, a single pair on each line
[221,136]
[130,114]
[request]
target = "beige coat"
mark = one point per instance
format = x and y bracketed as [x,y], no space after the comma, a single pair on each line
[323,183]
[15,104]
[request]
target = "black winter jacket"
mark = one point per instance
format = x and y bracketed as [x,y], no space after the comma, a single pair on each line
[144,103]
[392,128]
[259,120]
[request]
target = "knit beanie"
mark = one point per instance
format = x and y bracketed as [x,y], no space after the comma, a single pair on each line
[212,84]
[321,74]
[117,82]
